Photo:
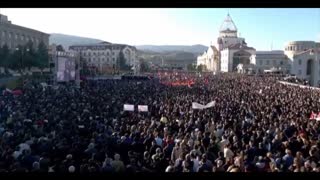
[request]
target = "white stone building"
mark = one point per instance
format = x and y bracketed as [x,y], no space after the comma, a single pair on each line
[303,60]
[105,55]
[229,50]
[267,60]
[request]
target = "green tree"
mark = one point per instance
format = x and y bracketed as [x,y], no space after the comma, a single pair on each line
[122,62]
[29,56]
[201,68]
[60,48]
[191,67]
[144,66]
[42,56]
[4,56]
[15,59]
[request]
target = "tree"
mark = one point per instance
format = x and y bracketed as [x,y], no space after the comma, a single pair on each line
[122,62]
[4,57]
[29,55]
[201,68]
[60,48]
[191,67]
[42,56]
[144,66]
[14,59]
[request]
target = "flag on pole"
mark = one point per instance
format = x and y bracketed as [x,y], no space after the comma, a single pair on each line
[142,108]
[128,107]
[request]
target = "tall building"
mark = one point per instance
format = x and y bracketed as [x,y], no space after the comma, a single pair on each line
[13,35]
[304,60]
[228,52]
[104,56]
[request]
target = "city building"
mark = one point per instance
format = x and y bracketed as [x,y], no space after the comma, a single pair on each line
[105,56]
[228,51]
[267,60]
[13,35]
[303,57]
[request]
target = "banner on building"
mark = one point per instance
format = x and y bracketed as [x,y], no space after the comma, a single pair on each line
[128,107]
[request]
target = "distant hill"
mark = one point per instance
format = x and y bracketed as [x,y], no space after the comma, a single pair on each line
[195,49]
[68,40]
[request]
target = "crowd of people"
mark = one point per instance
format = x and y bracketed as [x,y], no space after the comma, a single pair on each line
[256,125]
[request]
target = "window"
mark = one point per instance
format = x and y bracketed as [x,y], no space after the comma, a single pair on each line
[267,63]
[299,72]
[107,53]
[94,53]
[299,61]
[113,53]
[113,59]
[274,62]
[281,62]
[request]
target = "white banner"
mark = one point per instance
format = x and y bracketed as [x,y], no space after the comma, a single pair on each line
[197,106]
[200,106]
[128,107]
[210,104]
[142,108]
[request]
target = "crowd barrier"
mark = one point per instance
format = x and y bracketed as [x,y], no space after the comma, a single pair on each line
[298,85]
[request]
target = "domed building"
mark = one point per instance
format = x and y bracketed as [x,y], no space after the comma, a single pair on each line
[228,51]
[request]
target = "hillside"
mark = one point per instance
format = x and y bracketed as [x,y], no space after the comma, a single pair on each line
[195,49]
[68,40]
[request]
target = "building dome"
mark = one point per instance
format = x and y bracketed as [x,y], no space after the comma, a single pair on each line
[228,25]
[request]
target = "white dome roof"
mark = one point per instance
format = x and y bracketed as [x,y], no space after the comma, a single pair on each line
[228,25]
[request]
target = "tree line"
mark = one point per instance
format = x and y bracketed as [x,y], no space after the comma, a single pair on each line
[24,57]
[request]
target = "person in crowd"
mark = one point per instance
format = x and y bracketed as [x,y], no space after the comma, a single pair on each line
[255,125]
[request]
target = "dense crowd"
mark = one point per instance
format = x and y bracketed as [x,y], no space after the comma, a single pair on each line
[256,125]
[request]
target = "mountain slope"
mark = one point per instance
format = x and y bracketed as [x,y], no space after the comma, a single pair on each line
[195,49]
[68,40]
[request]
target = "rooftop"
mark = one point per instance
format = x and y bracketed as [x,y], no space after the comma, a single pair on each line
[228,25]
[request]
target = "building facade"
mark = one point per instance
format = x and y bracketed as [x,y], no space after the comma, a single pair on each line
[303,60]
[267,60]
[13,35]
[228,51]
[104,56]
